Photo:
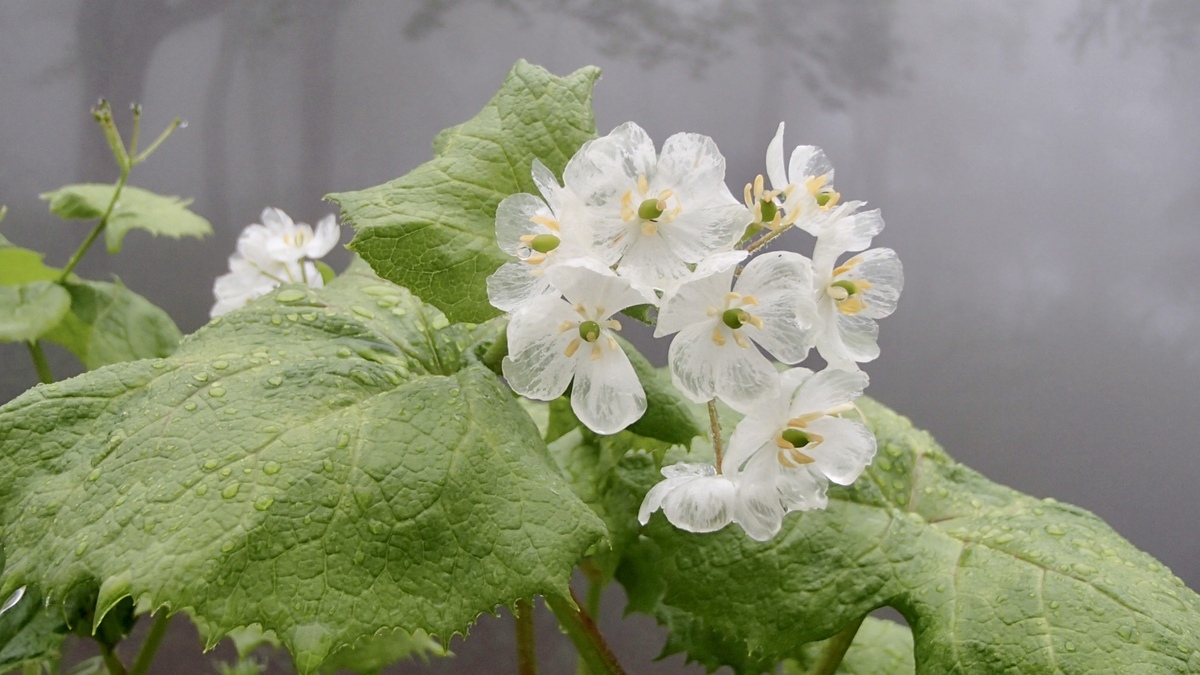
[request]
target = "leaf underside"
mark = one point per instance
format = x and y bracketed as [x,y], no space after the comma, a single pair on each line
[136,209]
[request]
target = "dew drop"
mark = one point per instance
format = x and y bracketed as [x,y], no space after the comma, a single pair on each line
[276,319]
[1055,530]
[293,317]
[363,312]
[309,316]
[226,472]
[1053,604]
[1004,539]
[230,490]
[289,295]
[200,377]
[94,475]
[343,440]
[228,546]
[189,406]
[201,490]
[327,465]
[220,365]
[271,468]
[344,352]
[158,365]
[275,380]
[307,520]
[210,464]
[216,392]
[81,548]
[1070,646]
[263,503]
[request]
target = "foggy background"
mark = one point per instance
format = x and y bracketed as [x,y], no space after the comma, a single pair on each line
[1037,163]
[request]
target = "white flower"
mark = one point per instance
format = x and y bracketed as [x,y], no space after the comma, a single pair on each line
[852,295]
[694,497]
[278,251]
[552,342]
[714,354]
[802,194]
[659,212]
[540,234]
[785,452]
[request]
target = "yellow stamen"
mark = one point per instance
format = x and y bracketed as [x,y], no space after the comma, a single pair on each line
[840,408]
[755,321]
[535,259]
[741,340]
[746,196]
[847,266]
[613,324]
[649,227]
[573,347]
[732,296]
[565,326]
[643,185]
[526,238]
[627,212]
[596,352]
[546,221]
[851,306]
[717,337]
[750,300]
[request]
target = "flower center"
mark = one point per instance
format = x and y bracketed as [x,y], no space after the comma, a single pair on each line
[768,213]
[651,210]
[848,293]
[826,196]
[795,438]
[734,316]
[589,330]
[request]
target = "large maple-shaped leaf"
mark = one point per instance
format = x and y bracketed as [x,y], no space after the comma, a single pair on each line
[989,579]
[434,229]
[324,463]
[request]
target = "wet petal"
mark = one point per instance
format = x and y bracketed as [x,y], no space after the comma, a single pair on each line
[775,169]
[514,285]
[325,237]
[514,219]
[607,396]
[846,450]
[781,282]
[702,504]
[828,389]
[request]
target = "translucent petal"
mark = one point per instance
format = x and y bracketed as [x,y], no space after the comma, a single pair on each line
[881,267]
[513,285]
[775,169]
[537,365]
[839,348]
[675,475]
[756,431]
[802,488]
[312,275]
[326,236]
[704,288]
[850,232]
[651,263]
[809,161]
[827,389]
[846,450]
[781,282]
[514,219]
[588,283]
[542,316]
[699,233]
[702,504]
[276,221]
[607,396]
[859,337]
[757,507]
[603,169]
[692,166]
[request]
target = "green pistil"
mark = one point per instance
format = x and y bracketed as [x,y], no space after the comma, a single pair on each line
[769,209]
[797,438]
[589,331]
[650,209]
[848,286]
[544,243]
[734,318]
[823,198]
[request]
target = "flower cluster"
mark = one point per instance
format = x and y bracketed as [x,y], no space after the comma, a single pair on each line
[630,226]
[277,251]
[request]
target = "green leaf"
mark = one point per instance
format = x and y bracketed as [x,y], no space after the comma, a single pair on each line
[108,323]
[30,310]
[374,653]
[21,266]
[433,230]
[31,633]
[879,648]
[324,463]
[135,209]
[327,273]
[991,580]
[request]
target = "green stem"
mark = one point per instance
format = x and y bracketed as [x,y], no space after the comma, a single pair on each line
[715,424]
[87,243]
[496,352]
[115,667]
[765,239]
[831,656]
[158,630]
[592,648]
[526,644]
[591,604]
[39,361]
